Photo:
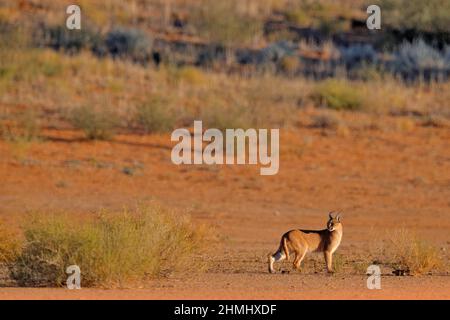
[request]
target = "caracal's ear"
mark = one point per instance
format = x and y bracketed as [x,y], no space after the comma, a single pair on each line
[338,217]
[330,215]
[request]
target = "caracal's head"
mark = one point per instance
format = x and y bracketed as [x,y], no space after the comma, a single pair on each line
[333,222]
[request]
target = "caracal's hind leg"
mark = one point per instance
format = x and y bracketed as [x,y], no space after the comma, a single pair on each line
[299,256]
[277,256]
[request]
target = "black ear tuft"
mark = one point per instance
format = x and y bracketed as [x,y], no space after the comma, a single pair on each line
[330,215]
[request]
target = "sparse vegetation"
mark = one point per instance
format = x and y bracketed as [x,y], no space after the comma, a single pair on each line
[339,263]
[232,64]
[319,14]
[9,245]
[132,43]
[290,64]
[24,127]
[225,22]
[406,253]
[155,116]
[326,120]
[191,75]
[220,100]
[338,95]
[58,37]
[358,55]
[433,15]
[114,249]
[437,121]
[216,116]
[418,56]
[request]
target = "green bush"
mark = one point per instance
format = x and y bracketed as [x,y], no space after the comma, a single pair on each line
[229,117]
[96,124]
[338,95]
[111,250]
[155,116]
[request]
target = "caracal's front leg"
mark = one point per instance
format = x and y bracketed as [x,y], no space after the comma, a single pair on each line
[329,261]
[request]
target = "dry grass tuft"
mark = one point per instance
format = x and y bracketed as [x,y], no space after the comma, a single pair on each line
[9,245]
[407,254]
[22,128]
[221,100]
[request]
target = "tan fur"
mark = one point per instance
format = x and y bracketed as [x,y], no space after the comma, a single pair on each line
[300,242]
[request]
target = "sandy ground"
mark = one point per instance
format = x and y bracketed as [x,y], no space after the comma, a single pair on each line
[257,286]
[380,180]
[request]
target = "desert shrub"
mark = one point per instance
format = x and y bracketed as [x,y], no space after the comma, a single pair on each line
[222,22]
[229,117]
[96,124]
[359,266]
[24,127]
[405,124]
[329,16]
[28,123]
[337,94]
[358,54]
[275,52]
[9,245]
[404,251]
[368,72]
[14,36]
[326,120]
[112,249]
[386,95]
[299,17]
[333,26]
[417,55]
[129,43]
[28,65]
[319,14]
[435,120]
[447,56]
[432,15]
[60,38]
[155,116]
[191,75]
[290,64]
